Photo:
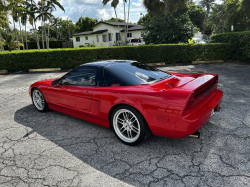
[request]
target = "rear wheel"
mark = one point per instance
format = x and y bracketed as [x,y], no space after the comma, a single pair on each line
[129,126]
[39,100]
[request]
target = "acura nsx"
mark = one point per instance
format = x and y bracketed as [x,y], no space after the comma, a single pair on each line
[131,98]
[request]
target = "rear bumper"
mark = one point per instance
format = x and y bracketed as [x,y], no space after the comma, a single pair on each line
[189,122]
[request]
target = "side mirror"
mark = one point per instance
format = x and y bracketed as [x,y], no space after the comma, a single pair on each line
[55,82]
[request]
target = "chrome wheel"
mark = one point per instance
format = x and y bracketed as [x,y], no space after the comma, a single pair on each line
[126,125]
[38,100]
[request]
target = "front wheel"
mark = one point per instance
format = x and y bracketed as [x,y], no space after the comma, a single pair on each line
[39,100]
[129,126]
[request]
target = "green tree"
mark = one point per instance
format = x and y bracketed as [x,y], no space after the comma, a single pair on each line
[197,15]
[208,4]
[85,24]
[158,7]
[219,17]
[115,20]
[52,7]
[67,29]
[145,19]
[167,29]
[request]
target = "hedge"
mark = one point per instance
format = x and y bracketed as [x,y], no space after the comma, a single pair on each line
[33,45]
[69,58]
[240,42]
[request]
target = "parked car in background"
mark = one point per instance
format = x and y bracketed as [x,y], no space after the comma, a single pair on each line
[199,41]
[136,41]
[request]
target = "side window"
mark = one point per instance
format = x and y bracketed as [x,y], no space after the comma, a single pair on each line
[112,80]
[83,76]
[86,37]
[77,39]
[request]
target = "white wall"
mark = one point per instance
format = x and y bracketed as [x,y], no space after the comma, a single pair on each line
[111,29]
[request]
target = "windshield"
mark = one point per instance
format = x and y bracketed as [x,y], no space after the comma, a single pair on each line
[131,74]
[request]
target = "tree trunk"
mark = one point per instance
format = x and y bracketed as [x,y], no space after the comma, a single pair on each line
[118,26]
[48,36]
[128,14]
[16,35]
[56,32]
[21,33]
[42,34]
[37,40]
[45,35]
[2,49]
[125,36]
[27,48]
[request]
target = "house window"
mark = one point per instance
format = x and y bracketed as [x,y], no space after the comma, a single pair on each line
[142,35]
[129,35]
[97,38]
[77,39]
[118,37]
[86,37]
[110,37]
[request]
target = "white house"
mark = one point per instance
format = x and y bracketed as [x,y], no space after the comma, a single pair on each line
[107,34]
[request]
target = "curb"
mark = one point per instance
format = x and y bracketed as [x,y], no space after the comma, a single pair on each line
[157,64]
[3,71]
[46,69]
[208,62]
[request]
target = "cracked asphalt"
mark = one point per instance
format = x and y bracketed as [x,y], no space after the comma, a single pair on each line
[53,149]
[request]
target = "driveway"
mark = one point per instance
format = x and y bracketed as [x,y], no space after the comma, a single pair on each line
[54,149]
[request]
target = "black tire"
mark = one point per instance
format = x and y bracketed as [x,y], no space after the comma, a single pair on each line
[140,125]
[43,106]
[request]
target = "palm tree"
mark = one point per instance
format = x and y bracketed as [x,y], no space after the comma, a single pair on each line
[56,24]
[15,19]
[114,4]
[33,9]
[20,10]
[10,41]
[24,19]
[208,4]
[43,15]
[52,6]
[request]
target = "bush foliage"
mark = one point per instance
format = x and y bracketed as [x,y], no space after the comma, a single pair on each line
[33,45]
[69,58]
[240,42]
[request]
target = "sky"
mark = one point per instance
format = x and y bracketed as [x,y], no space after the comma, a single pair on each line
[95,9]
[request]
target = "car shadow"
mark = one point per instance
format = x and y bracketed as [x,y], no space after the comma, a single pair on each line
[98,147]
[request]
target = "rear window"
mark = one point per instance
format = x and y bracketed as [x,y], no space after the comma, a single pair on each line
[135,40]
[131,74]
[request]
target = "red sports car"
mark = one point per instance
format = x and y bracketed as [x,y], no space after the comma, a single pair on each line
[133,99]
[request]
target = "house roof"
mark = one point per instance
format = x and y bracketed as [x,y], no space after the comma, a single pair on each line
[114,23]
[134,28]
[131,27]
[90,32]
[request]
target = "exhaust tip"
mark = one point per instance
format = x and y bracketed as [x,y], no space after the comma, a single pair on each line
[195,135]
[218,109]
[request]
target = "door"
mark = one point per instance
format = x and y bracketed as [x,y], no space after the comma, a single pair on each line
[75,91]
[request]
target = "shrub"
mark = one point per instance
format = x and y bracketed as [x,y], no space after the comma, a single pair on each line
[69,58]
[33,45]
[82,46]
[93,45]
[240,42]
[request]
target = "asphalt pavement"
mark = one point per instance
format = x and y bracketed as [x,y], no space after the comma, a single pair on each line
[53,149]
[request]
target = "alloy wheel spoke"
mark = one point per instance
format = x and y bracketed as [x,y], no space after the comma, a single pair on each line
[120,120]
[135,129]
